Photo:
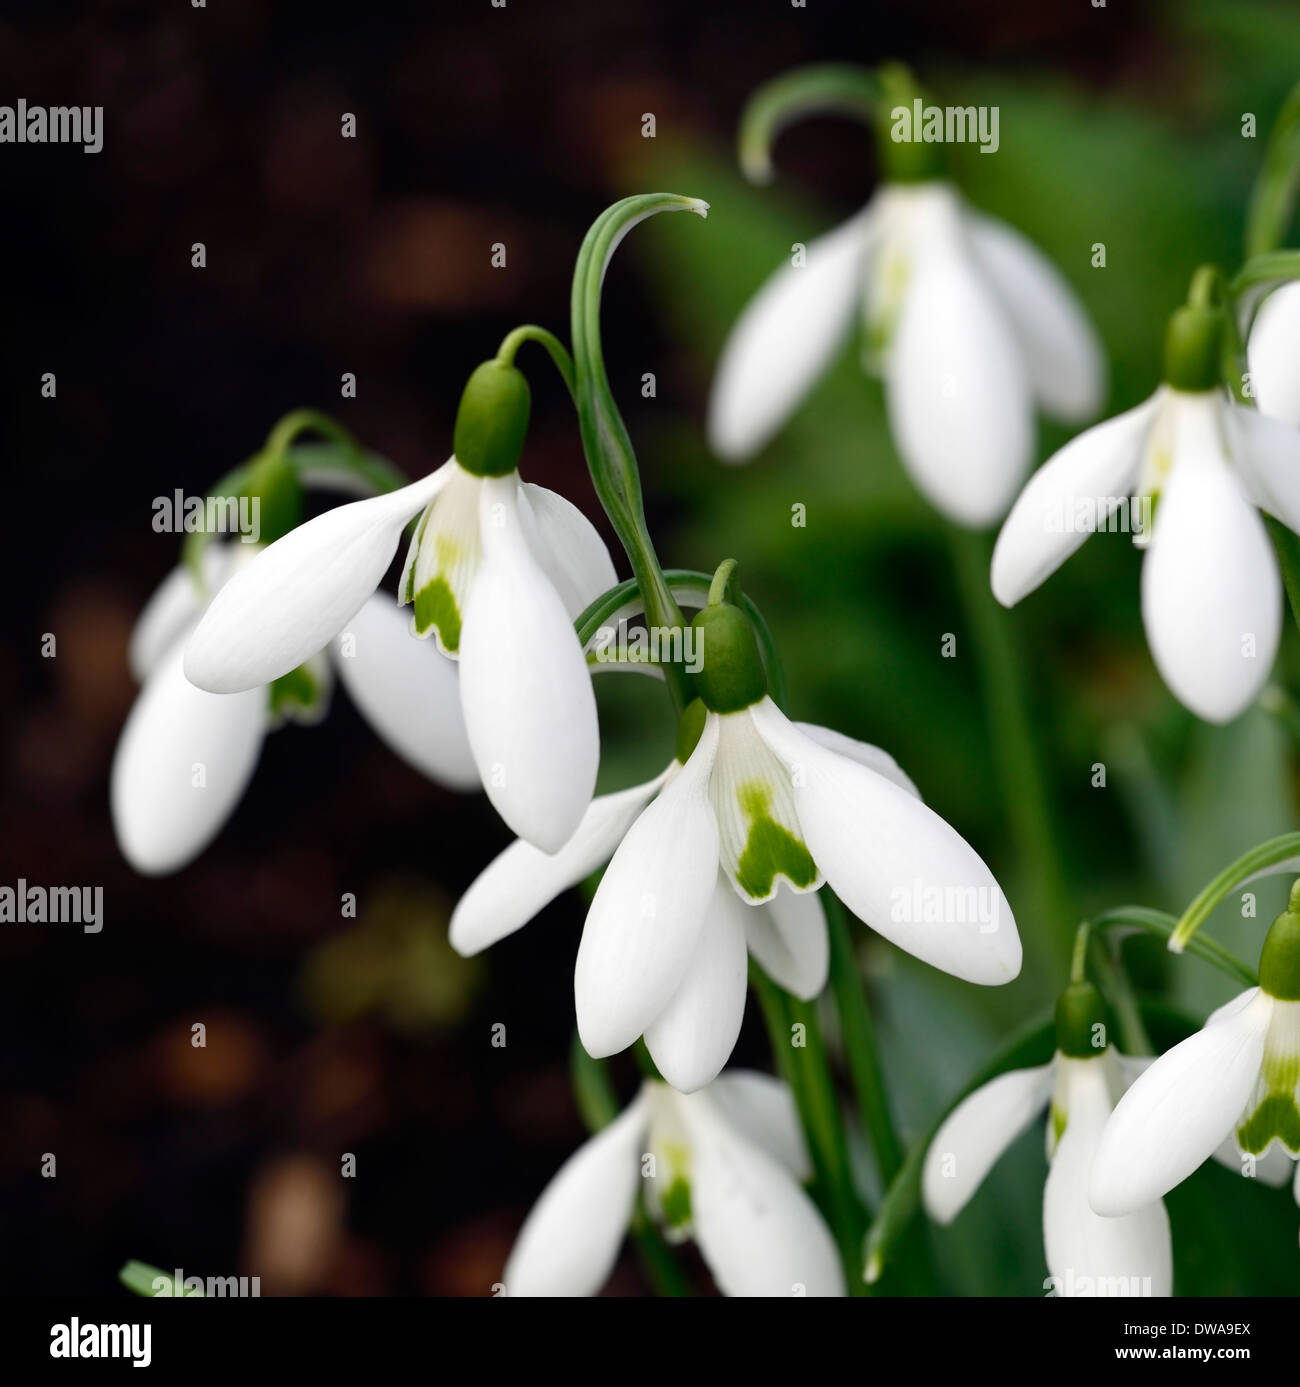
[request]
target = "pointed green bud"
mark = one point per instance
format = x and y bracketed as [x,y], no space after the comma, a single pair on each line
[492,420]
[1279,961]
[272,484]
[1081,1022]
[731,676]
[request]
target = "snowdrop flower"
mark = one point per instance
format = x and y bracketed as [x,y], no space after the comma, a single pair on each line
[722,1166]
[185,756]
[1086,1254]
[968,324]
[722,852]
[1202,468]
[497,570]
[1235,1081]
[1273,355]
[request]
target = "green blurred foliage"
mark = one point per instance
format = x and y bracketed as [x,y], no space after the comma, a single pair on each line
[1155,166]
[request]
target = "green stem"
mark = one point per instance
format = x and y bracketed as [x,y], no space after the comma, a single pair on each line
[1022,782]
[860,1043]
[599,1107]
[806,1070]
[559,354]
[1136,918]
[605,440]
[823,87]
[1262,857]
[1272,199]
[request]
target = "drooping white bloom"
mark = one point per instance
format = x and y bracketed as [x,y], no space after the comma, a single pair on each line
[1235,1082]
[1273,355]
[722,1167]
[185,756]
[969,325]
[723,852]
[498,569]
[1087,1255]
[1202,468]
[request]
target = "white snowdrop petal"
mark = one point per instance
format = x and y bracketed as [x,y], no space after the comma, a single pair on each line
[1211,592]
[1273,355]
[407,691]
[522,880]
[958,395]
[569,548]
[570,1241]
[1177,1113]
[1074,493]
[1274,1168]
[443,559]
[173,607]
[693,1036]
[977,1131]
[530,712]
[895,863]
[1266,457]
[785,339]
[762,1109]
[182,763]
[757,1230]
[788,937]
[294,597]
[1061,349]
[863,752]
[1087,1254]
[645,920]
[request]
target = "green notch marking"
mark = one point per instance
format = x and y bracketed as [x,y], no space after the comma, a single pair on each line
[771,850]
[1277,1116]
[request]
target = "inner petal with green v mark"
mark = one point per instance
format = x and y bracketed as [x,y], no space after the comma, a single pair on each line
[443,559]
[758,828]
[1277,1116]
[1272,1110]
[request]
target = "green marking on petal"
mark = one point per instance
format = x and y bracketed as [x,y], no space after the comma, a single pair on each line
[1277,1116]
[676,1203]
[435,605]
[771,850]
[295,695]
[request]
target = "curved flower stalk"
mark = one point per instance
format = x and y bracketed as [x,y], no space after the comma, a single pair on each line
[1234,1084]
[497,569]
[1198,469]
[723,1166]
[185,756]
[969,326]
[1087,1255]
[720,852]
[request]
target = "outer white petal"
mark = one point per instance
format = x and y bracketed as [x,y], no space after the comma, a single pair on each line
[863,752]
[1266,455]
[1273,354]
[645,920]
[176,734]
[570,1240]
[1060,345]
[762,1109]
[1086,480]
[884,853]
[1211,594]
[1179,1111]
[569,548]
[693,1036]
[407,691]
[529,707]
[173,608]
[756,1229]
[977,1131]
[788,936]
[1088,1254]
[783,341]
[523,879]
[298,594]
[958,393]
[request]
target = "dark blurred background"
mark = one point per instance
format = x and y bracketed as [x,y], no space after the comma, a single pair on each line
[371,255]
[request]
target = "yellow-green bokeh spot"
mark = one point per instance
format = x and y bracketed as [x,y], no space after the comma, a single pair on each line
[771,850]
[676,1203]
[435,605]
[1277,1116]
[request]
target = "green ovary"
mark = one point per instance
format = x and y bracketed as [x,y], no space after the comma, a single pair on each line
[435,605]
[771,850]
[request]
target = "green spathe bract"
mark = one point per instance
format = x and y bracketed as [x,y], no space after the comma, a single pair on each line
[492,421]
